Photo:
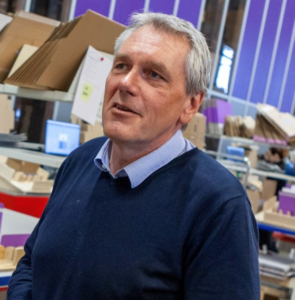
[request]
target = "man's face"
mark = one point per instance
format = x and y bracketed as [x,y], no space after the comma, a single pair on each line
[145,101]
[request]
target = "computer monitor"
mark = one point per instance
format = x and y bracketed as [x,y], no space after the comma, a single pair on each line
[61,138]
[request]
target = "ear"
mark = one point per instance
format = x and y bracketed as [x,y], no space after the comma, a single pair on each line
[191,107]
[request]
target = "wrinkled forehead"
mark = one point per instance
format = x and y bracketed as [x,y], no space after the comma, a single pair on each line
[150,40]
[164,31]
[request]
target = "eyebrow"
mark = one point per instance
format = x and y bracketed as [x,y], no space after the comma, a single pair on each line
[122,56]
[158,66]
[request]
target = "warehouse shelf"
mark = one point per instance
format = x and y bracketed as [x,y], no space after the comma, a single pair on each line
[36,94]
[32,156]
[235,166]
[247,141]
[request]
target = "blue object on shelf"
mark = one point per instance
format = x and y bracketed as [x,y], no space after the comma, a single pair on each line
[236,151]
[289,169]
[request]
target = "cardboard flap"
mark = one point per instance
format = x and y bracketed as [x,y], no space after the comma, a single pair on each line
[55,64]
[22,31]
[92,29]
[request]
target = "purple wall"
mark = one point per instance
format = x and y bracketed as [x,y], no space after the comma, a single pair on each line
[248,49]
[100,6]
[189,10]
[165,7]
[266,50]
[123,11]
[281,57]
[290,87]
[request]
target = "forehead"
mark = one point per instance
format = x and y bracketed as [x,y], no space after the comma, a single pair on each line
[153,41]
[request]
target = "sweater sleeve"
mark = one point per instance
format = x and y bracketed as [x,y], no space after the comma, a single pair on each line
[20,284]
[224,264]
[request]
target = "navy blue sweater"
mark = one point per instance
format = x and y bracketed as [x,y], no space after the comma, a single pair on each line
[186,232]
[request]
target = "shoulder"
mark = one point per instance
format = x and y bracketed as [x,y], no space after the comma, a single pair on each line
[201,167]
[204,180]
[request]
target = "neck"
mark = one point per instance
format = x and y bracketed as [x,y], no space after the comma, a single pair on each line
[122,154]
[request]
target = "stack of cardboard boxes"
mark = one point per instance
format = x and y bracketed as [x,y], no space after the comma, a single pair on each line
[26,176]
[273,126]
[259,192]
[239,126]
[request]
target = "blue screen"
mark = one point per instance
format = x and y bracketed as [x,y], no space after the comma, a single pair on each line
[61,138]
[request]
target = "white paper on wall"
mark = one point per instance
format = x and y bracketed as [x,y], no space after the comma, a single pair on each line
[90,90]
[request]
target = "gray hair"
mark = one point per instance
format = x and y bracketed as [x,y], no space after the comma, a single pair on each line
[198,61]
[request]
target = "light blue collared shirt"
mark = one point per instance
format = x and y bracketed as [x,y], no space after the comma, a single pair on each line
[142,168]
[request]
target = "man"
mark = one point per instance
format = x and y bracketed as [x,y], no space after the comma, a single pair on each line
[144,214]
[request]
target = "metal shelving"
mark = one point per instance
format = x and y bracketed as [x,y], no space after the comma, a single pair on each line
[236,166]
[32,156]
[36,94]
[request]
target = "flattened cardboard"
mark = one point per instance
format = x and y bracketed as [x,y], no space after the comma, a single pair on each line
[62,54]
[283,122]
[25,53]
[23,29]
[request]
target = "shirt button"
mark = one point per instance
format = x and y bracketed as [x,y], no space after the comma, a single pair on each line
[104,167]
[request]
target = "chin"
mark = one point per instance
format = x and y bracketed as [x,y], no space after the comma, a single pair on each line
[116,134]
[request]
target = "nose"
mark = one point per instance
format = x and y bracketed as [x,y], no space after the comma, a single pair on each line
[129,82]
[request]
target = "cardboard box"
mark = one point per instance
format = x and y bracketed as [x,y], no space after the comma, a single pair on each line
[56,62]
[196,130]
[281,124]
[254,198]
[88,135]
[25,28]
[251,152]
[269,188]
[6,114]
[29,168]
[14,164]
[97,128]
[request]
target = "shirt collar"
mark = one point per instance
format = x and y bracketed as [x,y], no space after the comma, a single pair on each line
[140,169]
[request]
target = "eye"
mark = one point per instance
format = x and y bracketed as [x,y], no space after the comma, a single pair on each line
[153,75]
[120,66]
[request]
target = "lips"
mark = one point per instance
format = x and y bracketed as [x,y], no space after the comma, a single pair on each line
[124,108]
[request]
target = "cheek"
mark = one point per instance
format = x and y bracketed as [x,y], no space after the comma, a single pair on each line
[110,87]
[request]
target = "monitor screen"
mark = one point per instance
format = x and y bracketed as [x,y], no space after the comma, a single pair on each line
[61,138]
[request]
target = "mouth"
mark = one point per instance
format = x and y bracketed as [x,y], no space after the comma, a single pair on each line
[124,108]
